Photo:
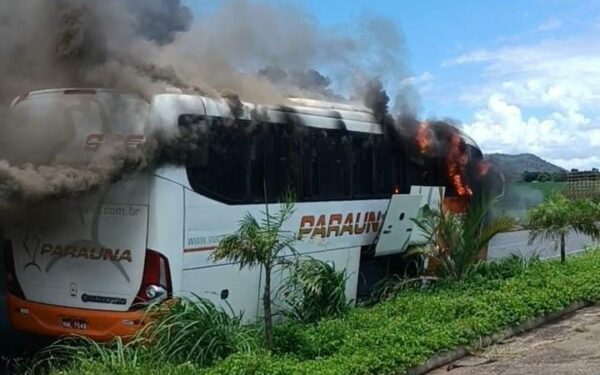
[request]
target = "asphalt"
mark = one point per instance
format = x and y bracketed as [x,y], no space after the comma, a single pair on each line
[566,347]
[517,243]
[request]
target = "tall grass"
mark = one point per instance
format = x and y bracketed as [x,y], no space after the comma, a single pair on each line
[313,290]
[196,330]
[504,268]
[189,331]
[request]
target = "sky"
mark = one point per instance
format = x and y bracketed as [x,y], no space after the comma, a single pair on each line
[520,76]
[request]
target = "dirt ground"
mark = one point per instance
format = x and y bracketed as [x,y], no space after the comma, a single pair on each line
[568,347]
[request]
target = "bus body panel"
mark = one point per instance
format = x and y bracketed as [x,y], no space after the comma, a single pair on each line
[319,226]
[166,215]
[234,289]
[75,253]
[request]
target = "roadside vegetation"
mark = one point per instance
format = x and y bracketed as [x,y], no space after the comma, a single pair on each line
[456,241]
[260,242]
[388,338]
[455,300]
[554,218]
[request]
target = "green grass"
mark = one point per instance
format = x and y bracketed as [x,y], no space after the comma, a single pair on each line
[402,332]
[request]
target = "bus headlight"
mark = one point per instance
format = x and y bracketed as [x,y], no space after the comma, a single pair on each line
[156,292]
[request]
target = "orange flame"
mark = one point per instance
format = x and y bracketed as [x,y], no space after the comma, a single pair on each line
[456,162]
[424,138]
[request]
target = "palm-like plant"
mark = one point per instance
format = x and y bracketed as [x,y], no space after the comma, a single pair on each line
[313,290]
[456,241]
[259,243]
[554,218]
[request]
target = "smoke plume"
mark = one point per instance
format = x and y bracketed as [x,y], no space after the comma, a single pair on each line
[239,49]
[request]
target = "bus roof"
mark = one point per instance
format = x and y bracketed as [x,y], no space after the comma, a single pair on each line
[72,91]
[314,113]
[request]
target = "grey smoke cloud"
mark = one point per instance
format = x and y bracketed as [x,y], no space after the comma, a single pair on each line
[144,46]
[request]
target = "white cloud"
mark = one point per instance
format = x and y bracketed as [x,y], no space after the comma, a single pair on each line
[550,24]
[422,83]
[420,79]
[542,98]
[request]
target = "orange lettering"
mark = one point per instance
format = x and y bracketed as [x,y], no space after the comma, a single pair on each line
[319,229]
[357,229]
[347,227]
[306,225]
[335,218]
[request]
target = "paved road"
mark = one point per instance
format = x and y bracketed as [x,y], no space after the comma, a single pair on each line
[566,347]
[517,243]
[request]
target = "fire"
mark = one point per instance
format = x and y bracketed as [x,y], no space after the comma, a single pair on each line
[424,138]
[456,162]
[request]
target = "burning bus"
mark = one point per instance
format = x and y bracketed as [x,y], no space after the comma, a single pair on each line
[88,264]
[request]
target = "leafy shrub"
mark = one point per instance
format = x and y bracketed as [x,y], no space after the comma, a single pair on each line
[190,330]
[455,241]
[391,286]
[313,290]
[195,330]
[504,268]
[404,331]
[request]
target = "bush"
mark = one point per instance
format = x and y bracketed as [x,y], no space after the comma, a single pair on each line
[504,268]
[195,330]
[314,290]
[455,242]
[403,332]
[188,331]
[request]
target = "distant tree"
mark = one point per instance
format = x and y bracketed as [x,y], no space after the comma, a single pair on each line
[530,176]
[543,177]
[554,218]
[559,176]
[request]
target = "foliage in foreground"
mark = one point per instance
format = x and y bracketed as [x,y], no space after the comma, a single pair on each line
[313,290]
[260,243]
[554,218]
[189,330]
[455,241]
[404,331]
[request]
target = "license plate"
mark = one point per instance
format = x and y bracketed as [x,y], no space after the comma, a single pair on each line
[70,323]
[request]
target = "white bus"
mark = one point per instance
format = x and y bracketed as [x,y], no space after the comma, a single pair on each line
[85,265]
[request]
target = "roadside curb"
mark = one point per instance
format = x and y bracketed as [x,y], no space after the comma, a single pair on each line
[447,357]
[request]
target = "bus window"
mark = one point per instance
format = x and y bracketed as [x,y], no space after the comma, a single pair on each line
[383,168]
[275,159]
[333,163]
[362,170]
[310,166]
[220,170]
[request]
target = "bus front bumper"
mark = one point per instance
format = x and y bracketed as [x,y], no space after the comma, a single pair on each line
[50,320]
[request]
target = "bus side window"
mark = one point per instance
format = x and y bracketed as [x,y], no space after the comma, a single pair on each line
[310,166]
[257,164]
[334,166]
[223,173]
[383,168]
[275,159]
[362,171]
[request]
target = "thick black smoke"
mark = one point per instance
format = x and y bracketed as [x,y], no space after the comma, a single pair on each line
[160,20]
[147,46]
[301,82]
